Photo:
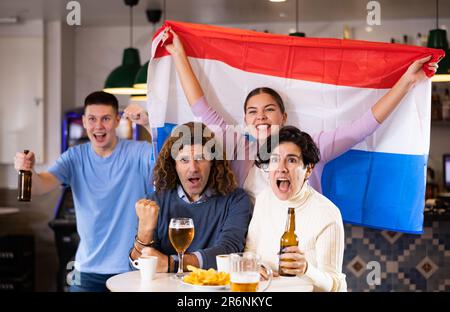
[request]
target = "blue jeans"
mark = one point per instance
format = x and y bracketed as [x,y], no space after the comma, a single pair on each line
[90,282]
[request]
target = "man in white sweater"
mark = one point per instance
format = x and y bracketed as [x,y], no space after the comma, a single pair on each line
[318,221]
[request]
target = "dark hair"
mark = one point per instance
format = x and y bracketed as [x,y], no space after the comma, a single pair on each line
[268,91]
[221,177]
[309,150]
[102,98]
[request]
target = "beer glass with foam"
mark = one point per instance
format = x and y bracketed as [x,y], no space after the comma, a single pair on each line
[244,272]
[181,234]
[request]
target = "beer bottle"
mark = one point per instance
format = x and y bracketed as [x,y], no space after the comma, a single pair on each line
[289,238]
[24,186]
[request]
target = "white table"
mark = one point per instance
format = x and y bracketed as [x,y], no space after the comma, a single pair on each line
[8,210]
[131,282]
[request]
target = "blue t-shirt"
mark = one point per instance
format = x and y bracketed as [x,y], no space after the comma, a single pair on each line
[105,191]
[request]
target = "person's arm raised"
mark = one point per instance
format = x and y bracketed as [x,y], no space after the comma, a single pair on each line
[138,115]
[191,86]
[147,212]
[336,142]
[414,74]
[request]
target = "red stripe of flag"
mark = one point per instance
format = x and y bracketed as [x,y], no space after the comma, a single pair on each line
[341,62]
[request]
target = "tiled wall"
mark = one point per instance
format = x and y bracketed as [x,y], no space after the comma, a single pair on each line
[407,262]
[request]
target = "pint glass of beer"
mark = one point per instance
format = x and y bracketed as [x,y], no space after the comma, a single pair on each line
[181,234]
[244,272]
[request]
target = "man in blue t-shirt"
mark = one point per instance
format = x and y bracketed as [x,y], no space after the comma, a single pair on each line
[192,180]
[107,176]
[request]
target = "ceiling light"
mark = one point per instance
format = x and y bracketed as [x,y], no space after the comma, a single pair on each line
[437,39]
[121,79]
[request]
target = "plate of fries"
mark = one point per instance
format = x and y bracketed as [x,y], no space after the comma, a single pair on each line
[206,279]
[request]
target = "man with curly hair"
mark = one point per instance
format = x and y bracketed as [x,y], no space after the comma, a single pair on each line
[192,180]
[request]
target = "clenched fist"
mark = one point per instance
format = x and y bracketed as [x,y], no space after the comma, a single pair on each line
[136,114]
[147,212]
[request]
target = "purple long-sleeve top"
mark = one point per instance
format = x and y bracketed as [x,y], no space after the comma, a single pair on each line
[330,143]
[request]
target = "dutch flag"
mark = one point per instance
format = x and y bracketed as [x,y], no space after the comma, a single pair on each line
[324,83]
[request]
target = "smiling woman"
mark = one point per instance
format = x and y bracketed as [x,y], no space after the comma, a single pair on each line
[263,108]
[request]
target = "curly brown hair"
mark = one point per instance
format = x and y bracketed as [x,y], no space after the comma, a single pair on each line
[221,177]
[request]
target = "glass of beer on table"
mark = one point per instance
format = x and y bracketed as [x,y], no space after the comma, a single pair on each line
[245,272]
[181,234]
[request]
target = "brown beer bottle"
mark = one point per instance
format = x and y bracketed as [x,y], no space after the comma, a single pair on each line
[289,238]
[24,186]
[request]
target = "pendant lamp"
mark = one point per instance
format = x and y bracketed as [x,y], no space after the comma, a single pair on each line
[121,79]
[437,39]
[140,82]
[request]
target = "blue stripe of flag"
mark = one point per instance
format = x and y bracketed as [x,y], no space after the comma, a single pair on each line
[379,190]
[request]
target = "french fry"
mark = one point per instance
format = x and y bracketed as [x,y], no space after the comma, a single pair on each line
[206,277]
[192,268]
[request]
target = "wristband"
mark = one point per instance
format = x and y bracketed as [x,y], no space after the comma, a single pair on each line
[142,243]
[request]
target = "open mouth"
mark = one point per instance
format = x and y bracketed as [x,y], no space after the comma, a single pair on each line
[263,127]
[194,181]
[283,185]
[100,137]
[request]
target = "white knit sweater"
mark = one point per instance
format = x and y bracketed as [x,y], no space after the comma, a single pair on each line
[318,225]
